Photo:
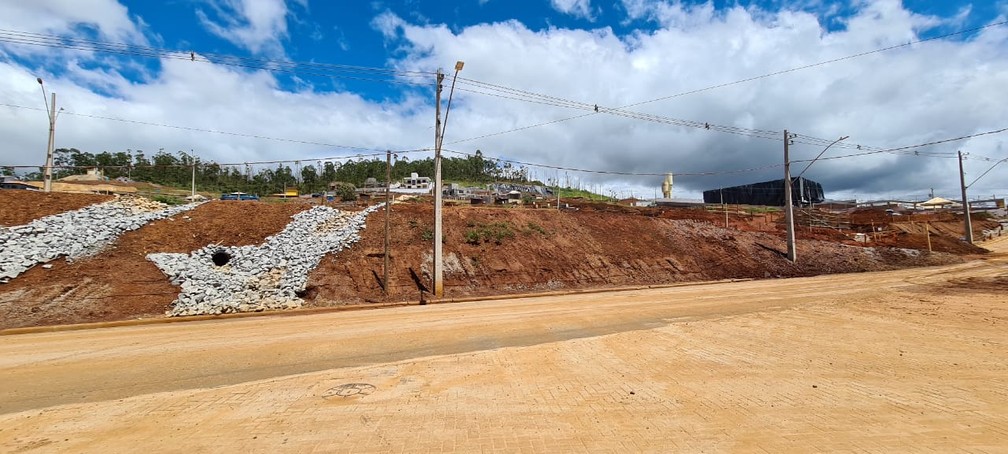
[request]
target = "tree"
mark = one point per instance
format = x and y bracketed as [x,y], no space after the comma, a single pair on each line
[345,191]
[309,179]
[328,173]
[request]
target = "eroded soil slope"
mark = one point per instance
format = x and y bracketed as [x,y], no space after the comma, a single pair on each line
[501,250]
[488,250]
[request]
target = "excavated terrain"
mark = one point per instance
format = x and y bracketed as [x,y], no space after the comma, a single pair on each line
[488,250]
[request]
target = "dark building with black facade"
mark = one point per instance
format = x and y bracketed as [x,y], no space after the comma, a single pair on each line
[804,192]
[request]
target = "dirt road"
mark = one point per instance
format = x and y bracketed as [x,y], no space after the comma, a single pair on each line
[901,360]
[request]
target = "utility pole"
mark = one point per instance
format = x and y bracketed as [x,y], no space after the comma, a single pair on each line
[724,207]
[788,209]
[47,184]
[438,138]
[388,203]
[438,282]
[966,208]
[191,157]
[47,178]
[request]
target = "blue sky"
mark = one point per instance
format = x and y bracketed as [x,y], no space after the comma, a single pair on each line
[611,54]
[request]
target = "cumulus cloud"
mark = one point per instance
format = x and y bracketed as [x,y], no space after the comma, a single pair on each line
[905,96]
[576,8]
[107,18]
[913,94]
[257,25]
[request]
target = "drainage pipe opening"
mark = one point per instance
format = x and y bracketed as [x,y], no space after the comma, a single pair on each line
[221,258]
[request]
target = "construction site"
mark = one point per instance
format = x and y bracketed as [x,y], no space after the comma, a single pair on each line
[487,251]
[626,329]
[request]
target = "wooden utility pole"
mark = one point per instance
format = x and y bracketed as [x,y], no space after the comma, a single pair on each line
[966,208]
[193,158]
[788,209]
[438,267]
[724,207]
[927,232]
[388,206]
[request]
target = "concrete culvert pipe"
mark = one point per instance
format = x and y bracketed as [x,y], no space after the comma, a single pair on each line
[221,258]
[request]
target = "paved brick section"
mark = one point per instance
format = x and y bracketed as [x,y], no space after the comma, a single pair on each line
[919,366]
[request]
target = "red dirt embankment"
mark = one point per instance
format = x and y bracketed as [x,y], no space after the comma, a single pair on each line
[488,250]
[506,250]
[21,207]
[120,283]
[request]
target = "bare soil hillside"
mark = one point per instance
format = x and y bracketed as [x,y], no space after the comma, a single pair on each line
[120,283]
[488,250]
[21,207]
[505,250]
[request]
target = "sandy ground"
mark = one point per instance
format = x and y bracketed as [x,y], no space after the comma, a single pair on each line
[909,360]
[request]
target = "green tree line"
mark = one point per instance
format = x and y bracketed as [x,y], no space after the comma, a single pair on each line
[176,169]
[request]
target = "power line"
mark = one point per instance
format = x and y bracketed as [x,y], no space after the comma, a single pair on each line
[287,66]
[909,148]
[212,131]
[821,63]
[523,95]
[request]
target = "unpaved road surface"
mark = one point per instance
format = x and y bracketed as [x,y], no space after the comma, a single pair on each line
[908,360]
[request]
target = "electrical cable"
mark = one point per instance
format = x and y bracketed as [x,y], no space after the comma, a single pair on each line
[212,131]
[745,170]
[595,109]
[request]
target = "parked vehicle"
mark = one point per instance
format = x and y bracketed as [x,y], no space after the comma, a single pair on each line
[238,196]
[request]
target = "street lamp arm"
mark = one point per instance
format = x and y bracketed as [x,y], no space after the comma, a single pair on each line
[451,92]
[45,99]
[820,154]
[986,172]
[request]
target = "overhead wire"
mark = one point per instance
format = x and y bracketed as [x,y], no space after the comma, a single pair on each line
[391,75]
[486,88]
[743,170]
[212,131]
[524,95]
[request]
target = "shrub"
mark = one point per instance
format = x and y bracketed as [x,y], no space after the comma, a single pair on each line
[496,232]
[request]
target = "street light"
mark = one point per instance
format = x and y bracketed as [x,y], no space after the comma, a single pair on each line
[439,139]
[788,208]
[966,209]
[51,110]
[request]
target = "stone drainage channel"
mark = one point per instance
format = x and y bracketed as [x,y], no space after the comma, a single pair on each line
[224,279]
[76,234]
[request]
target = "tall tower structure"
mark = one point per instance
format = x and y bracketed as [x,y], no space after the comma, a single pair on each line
[666,187]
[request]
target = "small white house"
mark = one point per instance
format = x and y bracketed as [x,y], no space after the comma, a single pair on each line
[415,181]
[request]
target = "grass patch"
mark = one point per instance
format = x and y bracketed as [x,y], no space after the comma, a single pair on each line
[168,199]
[496,233]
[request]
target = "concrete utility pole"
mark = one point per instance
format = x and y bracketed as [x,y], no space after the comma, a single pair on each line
[388,204]
[47,178]
[788,209]
[438,139]
[966,208]
[438,283]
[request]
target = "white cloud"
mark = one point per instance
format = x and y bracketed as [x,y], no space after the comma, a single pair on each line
[912,95]
[108,18]
[388,23]
[916,94]
[257,25]
[576,8]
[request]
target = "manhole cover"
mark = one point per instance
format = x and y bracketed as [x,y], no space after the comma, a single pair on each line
[349,390]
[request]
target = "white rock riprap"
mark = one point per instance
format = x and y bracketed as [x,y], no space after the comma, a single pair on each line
[264,277]
[77,233]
